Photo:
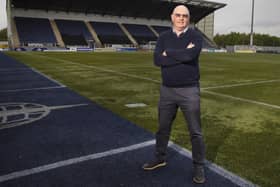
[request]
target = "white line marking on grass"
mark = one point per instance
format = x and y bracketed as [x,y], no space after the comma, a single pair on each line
[135,105]
[43,168]
[241,84]
[242,99]
[47,77]
[215,168]
[100,69]
[32,89]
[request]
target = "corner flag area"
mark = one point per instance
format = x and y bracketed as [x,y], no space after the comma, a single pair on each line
[52,136]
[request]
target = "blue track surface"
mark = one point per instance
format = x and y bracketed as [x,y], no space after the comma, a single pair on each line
[68,132]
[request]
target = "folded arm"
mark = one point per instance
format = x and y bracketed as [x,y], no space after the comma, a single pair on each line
[159,59]
[187,54]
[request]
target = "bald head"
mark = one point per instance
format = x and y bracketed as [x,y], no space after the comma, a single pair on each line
[182,9]
[180,18]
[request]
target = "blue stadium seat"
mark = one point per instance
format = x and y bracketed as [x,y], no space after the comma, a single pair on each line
[141,33]
[34,30]
[161,29]
[74,32]
[110,33]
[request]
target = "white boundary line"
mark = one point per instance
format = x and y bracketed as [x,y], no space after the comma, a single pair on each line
[242,99]
[241,84]
[47,77]
[215,168]
[100,69]
[71,161]
[31,89]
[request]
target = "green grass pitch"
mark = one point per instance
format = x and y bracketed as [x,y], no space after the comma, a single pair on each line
[240,101]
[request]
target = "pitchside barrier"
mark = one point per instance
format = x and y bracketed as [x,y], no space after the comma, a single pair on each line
[253,49]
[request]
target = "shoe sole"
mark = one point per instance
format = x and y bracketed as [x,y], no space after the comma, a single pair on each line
[198,181]
[155,167]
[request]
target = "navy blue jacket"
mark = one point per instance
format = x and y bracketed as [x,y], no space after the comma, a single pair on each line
[180,67]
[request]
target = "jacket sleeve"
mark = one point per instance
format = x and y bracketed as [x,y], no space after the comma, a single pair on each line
[186,55]
[159,59]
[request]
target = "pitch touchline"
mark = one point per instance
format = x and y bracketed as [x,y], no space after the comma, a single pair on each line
[215,168]
[47,77]
[100,69]
[242,99]
[241,84]
[71,161]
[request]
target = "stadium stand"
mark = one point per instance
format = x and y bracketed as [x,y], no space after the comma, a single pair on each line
[206,43]
[74,33]
[110,33]
[90,23]
[34,30]
[141,33]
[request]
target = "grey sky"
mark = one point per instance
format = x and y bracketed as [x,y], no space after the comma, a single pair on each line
[3,17]
[236,16]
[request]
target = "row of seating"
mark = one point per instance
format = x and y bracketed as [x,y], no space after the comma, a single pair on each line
[73,32]
[110,33]
[32,30]
[38,30]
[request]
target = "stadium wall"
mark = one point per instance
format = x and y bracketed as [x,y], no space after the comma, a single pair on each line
[206,25]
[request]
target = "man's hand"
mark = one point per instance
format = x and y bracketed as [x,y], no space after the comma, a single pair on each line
[191,45]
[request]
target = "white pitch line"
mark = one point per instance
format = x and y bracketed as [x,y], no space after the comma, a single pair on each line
[241,84]
[32,89]
[242,99]
[215,168]
[47,77]
[101,69]
[43,168]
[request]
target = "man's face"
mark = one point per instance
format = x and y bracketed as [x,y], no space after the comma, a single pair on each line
[180,18]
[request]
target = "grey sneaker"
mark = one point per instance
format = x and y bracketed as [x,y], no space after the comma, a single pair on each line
[198,174]
[154,164]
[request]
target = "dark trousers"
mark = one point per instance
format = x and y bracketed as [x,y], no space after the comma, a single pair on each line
[188,99]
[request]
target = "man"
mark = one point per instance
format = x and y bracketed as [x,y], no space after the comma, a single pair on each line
[177,53]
